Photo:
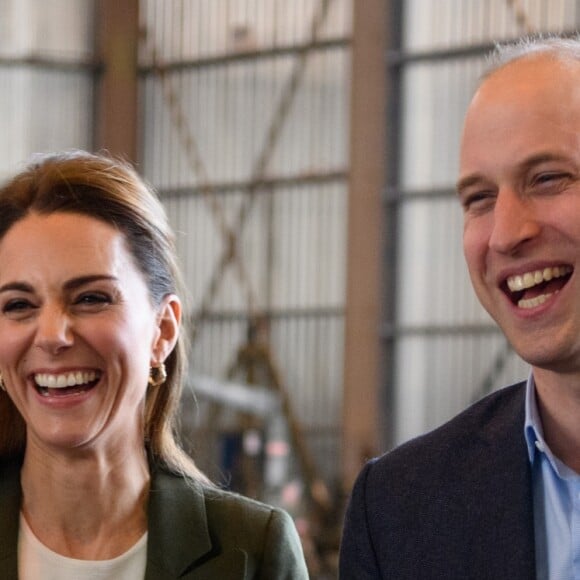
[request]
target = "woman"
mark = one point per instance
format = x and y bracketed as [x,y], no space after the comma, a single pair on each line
[92,481]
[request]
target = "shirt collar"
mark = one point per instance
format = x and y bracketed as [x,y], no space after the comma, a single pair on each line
[534,434]
[533,424]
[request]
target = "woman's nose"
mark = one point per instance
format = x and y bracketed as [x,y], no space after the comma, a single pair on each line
[515,222]
[54,330]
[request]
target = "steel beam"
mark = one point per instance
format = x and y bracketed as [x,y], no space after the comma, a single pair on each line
[360,434]
[116,107]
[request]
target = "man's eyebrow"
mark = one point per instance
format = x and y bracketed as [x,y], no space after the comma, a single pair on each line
[542,158]
[468,181]
[523,166]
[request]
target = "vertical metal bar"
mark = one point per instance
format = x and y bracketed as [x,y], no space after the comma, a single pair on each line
[394,43]
[367,158]
[116,95]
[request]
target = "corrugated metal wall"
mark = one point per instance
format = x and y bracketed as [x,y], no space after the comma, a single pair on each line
[457,353]
[46,77]
[244,129]
[245,110]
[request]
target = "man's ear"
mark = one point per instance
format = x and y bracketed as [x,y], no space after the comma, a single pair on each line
[168,324]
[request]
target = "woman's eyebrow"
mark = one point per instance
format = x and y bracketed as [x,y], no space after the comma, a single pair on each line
[75,283]
[19,286]
[69,285]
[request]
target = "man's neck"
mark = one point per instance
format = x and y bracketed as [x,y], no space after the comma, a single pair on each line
[558,400]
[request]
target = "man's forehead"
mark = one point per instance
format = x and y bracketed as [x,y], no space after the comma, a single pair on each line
[540,86]
[534,71]
[527,110]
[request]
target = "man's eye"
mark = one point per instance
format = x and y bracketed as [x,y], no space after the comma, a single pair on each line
[545,177]
[476,200]
[550,178]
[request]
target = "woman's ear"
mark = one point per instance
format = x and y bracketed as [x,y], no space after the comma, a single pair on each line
[168,324]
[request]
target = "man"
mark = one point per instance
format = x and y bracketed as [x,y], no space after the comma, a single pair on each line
[495,493]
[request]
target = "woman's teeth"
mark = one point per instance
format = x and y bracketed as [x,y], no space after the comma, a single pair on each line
[64,380]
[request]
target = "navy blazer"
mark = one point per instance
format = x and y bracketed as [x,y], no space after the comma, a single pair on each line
[195,533]
[454,503]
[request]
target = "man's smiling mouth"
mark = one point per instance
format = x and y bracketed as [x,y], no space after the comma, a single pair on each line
[69,383]
[534,288]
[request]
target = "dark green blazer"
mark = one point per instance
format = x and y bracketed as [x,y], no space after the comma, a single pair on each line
[195,533]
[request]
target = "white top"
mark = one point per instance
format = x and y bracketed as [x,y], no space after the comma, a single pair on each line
[37,562]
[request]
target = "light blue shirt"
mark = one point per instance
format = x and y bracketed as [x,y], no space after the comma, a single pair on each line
[556,490]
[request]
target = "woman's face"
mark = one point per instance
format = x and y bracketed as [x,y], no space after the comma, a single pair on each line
[78,332]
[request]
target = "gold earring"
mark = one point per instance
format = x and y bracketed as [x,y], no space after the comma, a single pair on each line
[157,375]
[2,383]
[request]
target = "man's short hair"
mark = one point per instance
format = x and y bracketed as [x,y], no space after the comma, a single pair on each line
[559,47]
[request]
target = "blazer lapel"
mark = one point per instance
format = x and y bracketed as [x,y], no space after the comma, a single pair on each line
[10,500]
[180,544]
[178,536]
[231,565]
[179,541]
[501,505]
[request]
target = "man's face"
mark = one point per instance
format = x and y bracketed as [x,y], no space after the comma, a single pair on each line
[519,185]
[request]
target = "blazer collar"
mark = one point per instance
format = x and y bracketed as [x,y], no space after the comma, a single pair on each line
[180,542]
[10,500]
[500,484]
[178,534]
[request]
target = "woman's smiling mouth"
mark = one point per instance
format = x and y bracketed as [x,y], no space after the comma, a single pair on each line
[69,383]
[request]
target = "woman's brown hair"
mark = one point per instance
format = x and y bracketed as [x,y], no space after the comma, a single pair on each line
[110,190]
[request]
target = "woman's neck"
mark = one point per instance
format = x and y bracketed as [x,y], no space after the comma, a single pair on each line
[87,506]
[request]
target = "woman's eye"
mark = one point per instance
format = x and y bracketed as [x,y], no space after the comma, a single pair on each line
[17,306]
[93,299]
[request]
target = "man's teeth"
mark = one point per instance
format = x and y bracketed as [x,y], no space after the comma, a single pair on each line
[64,380]
[533,302]
[531,279]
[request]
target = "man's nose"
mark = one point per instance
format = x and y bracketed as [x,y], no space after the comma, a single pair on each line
[515,222]
[54,331]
